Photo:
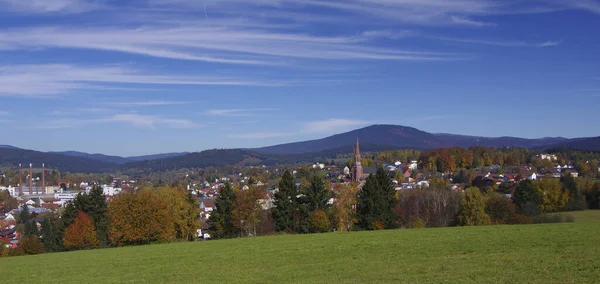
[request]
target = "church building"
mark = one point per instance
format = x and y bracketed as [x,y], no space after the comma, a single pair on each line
[358,173]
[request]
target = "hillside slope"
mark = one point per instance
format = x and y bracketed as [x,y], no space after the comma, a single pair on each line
[397,136]
[488,254]
[10,156]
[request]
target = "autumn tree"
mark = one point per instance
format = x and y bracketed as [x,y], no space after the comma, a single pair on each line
[245,214]
[94,205]
[376,201]
[8,201]
[500,209]
[140,217]
[220,220]
[344,205]
[183,208]
[554,197]
[285,207]
[473,212]
[319,221]
[81,234]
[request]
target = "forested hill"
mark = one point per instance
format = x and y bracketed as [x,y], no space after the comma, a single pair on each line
[405,137]
[373,138]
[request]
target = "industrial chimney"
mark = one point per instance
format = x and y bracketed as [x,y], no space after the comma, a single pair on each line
[20,180]
[43,179]
[30,179]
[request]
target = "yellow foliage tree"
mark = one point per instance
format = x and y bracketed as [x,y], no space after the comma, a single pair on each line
[554,196]
[140,217]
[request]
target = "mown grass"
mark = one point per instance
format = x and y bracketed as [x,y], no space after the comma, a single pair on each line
[545,253]
[588,216]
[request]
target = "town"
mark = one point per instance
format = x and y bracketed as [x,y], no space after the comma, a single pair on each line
[562,181]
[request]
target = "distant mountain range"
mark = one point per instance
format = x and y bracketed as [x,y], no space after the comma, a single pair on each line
[405,137]
[372,138]
[117,159]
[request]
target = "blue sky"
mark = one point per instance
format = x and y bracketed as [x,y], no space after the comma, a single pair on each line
[140,77]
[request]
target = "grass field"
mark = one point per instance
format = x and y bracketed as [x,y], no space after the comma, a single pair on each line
[546,253]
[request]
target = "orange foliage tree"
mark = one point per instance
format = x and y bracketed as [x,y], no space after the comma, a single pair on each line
[81,234]
[140,217]
[246,210]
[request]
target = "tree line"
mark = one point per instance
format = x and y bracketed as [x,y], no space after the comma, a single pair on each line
[377,205]
[143,216]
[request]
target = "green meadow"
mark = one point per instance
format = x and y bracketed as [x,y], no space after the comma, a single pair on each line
[544,253]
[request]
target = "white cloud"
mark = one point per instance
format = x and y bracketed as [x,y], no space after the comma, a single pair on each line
[237,112]
[549,43]
[333,124]
[211,43]
[504,43]
[4,112]
[468,22]
[55,79]
[137,120]
[49,6]
[258,135]
[149,103]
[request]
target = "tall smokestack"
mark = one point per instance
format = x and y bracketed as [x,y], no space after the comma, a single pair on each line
[30,179]
[43,179]
[20,180]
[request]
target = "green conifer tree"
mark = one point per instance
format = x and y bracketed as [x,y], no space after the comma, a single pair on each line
[68,214]
[51,235]
[97,208]
[317,195]
[31,229]
[376,201]
[285,207]
[220,221]
[24,215]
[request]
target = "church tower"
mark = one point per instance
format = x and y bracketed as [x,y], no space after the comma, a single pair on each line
[357,170]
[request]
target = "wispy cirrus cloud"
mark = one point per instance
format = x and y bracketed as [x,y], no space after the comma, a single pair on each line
[549,43]
[51,80]
[237,112]
[504,43]
[468,22]
[49,6]
[133,119]
[212,43]
[259,135]
[332,124]
[308,128]
[149,103]
[4,112]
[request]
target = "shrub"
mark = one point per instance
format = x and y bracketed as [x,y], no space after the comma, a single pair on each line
[16,252]
[32,245]
[418,223]
[569,218]
[319,222]
[519,219]
[500,209]
[556,218]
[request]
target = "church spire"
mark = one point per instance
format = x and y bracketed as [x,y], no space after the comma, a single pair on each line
[357,171]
